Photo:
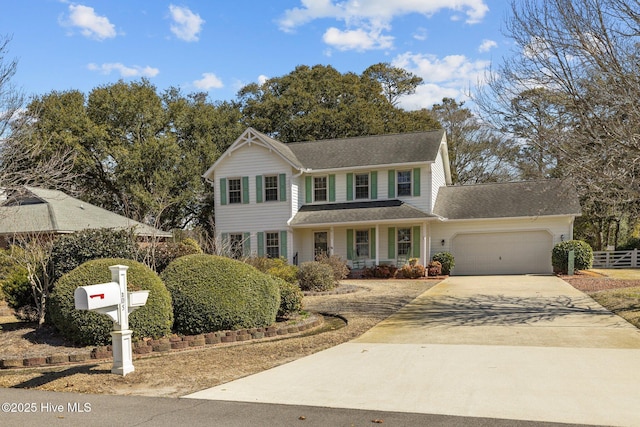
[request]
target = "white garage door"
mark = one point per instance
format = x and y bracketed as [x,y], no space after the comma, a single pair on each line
[502,253]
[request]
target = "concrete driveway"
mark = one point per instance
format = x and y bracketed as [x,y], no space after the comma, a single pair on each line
[511,347]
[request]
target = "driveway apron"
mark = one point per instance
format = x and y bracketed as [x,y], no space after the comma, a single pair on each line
[511,347]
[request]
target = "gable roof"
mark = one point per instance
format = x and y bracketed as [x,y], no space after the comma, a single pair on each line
[360,212]
[52,211]
[414,147]
[390,149]
[508,200]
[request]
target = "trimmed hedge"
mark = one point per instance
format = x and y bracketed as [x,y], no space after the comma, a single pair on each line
[89,328]
[290,299]
[560,256]
[212,293]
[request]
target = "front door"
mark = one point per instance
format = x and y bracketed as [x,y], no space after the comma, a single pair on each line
[320,243]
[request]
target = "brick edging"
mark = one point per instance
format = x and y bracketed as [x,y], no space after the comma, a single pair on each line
[150,347]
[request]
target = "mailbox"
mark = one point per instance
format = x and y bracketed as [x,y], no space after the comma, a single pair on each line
[96,297]
[138,299]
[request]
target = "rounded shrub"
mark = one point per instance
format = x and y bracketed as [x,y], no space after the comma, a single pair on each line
[89,328]
[71,250]
[560,255]
[315,276]
[165,252]
[290,299]
[337,264]
[446,260]
[212,293]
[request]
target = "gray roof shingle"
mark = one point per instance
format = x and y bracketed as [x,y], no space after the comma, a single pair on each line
[372,211]
[368,150]
[52,211]
[508,200]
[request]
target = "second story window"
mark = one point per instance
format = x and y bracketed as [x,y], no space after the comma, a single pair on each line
[362,186]
[404,183]
[320,189]
[271,188]
[235,190]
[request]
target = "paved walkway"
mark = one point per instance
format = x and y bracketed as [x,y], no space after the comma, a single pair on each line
[510,347]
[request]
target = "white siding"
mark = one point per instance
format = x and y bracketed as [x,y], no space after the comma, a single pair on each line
[437,178]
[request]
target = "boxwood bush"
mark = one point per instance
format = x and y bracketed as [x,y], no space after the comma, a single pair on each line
[316,276]
[89,328]
[290,299]
[446,260]
[212,293]
[560,256]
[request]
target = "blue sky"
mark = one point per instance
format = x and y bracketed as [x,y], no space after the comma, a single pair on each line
[219,46]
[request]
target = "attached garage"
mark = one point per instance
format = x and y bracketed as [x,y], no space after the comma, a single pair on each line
[502,253]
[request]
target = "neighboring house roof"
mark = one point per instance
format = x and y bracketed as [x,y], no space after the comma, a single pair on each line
[375,211]
[375,150]
[51,211]
[391,149]
[508,200]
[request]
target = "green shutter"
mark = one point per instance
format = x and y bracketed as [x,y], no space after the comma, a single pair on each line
[349,244]
[283,243]
[246,244]
[372,243]
[225,238]
[245,189]
[260,236]
[392,184]
[349,186]
[374,185]
[415,240]
[332,188]
[259,181]
[416,182]
[223,191]
[283,187]
[307,189]
[392,243]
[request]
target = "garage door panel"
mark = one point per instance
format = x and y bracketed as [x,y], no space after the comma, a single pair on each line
[502,253]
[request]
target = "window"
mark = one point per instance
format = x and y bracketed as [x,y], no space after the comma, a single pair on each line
[273,245]
[404,183]
[271,188]
[320,189]
[362,186]
[362,243]
[236,248]
[404,241]
[235,190]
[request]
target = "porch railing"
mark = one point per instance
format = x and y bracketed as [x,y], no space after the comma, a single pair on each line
[616,259]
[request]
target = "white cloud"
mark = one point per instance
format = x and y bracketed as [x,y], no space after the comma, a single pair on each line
[262,79]
[123,70]
[487,45]
[208,81]
[451,76]
[90,24]
[359,39]
[186,24]
[421,34]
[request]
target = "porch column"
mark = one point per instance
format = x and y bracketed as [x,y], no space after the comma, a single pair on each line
[377,244]
[331,241]
[425,244]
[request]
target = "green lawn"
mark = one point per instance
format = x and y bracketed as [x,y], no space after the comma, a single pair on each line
[624,302]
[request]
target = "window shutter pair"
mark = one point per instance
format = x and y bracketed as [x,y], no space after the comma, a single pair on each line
[308,188]
[282,183]
[392,183]
[373,185]
[223,190]
[283,243]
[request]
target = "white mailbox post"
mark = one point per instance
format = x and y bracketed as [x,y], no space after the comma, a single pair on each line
[113,299]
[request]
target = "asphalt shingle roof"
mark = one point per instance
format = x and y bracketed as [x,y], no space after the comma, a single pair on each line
[378,210]
[367,150]
[42,210]
[508,200]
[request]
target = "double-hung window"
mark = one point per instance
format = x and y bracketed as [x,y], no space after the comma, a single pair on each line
[362,186]
[404,241]
[271,188]
[362,243]
[404,183]
[320,189]
[273,244]
[236,245]
[235,190]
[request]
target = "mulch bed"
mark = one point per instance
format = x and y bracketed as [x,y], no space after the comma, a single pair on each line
[589,282]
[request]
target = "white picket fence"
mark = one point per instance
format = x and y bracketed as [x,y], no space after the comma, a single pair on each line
[616,259]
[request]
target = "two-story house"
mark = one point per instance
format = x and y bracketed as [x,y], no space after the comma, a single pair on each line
[382,199]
